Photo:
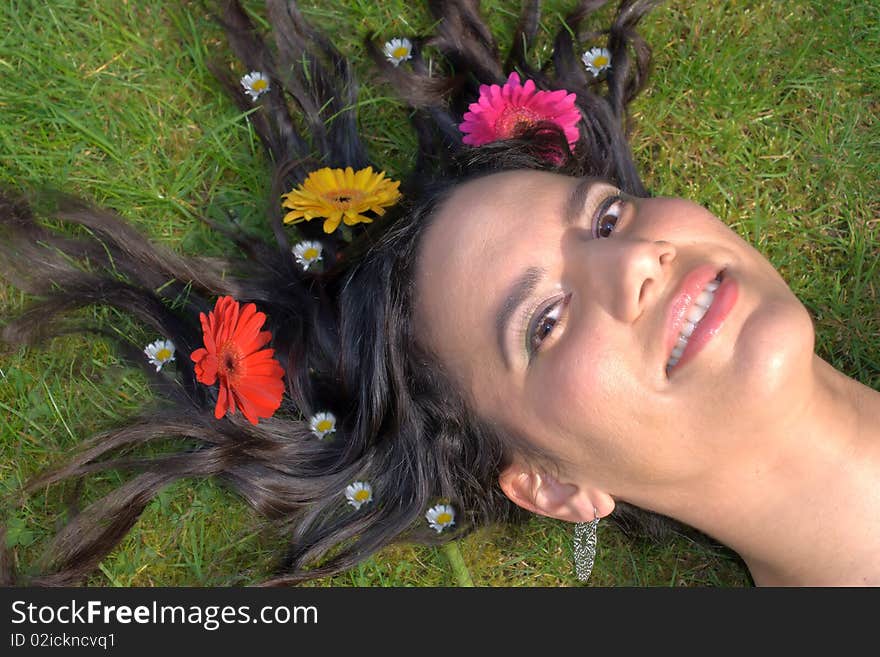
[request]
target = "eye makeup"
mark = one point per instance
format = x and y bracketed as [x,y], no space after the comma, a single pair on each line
[596,205]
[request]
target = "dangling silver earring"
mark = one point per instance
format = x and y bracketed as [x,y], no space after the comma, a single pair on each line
[585,546]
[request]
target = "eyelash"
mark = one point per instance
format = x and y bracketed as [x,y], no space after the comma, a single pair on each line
[613,201]
[553,309]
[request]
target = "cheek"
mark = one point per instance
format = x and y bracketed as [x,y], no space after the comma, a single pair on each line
[686,223]
[588,402]
[596,416]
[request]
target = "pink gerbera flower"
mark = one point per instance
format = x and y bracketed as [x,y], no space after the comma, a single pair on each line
[508,111]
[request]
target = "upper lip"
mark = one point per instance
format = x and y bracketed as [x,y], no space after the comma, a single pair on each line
[680,304]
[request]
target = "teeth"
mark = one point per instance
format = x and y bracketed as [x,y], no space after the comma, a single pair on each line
[679,347]
[705,298]
[697,311]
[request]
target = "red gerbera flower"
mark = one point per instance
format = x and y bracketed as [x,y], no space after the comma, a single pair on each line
[508,111]
[250,378]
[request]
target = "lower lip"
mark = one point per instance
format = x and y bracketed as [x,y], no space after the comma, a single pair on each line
[710,325]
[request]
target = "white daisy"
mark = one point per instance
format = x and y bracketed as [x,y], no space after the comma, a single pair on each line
[597,60]
[440,516]
[160,352]
[398,50]
[359,493]
[255,84]
[322,423]
[307,253]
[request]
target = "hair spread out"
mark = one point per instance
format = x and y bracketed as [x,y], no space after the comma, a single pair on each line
[344,336]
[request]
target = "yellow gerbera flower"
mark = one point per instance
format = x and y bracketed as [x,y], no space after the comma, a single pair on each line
[339,195]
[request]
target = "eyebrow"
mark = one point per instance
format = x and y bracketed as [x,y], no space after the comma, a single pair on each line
[574,207]
[524,286]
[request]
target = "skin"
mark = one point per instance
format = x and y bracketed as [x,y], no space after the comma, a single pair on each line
[755,441]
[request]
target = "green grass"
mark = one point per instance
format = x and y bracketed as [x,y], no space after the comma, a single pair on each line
[765,112]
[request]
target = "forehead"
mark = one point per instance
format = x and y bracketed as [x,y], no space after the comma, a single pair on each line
[490,216]
[486,233]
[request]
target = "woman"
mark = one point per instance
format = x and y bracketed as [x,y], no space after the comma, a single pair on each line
[746,434]
[532,359]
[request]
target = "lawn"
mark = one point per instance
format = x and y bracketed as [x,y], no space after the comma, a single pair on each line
[765,112]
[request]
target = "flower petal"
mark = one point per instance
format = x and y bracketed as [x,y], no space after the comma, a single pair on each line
[222,402]
[249,377]
[247,333]
[504,112]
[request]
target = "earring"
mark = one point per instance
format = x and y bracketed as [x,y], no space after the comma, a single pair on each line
[585,546]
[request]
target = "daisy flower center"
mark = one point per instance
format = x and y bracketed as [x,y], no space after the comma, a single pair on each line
[601,60]
[399,51]
[362,495]
[325,425]
[163,354]
[444,518]
[259,85]
[514,121]
[311,253]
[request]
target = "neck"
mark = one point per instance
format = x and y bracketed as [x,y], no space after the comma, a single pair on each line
[807,512]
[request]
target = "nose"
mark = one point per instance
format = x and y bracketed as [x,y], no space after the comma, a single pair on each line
[625,275]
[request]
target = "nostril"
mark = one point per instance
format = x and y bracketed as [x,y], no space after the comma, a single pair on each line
[667,254]
[644,289]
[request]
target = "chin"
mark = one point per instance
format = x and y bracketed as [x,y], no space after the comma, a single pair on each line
[774,358]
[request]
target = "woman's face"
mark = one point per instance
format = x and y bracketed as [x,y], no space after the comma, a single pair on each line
[560,307]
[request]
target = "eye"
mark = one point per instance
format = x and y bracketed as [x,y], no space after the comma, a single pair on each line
[607,215]
[544,322]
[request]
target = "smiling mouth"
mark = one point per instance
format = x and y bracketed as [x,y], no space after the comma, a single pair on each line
[694,316]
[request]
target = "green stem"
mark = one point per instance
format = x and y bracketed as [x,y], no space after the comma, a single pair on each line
[453,555]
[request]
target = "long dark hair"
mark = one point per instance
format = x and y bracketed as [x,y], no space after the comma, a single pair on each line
[344,336]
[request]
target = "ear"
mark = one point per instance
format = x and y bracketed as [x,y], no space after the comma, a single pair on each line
[540,492]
